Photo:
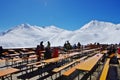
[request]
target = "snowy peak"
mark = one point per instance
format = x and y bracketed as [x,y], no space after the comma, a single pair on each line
[89,25]
[53,29]
[24,26]
[19,27]
[27,28]
[99,25]
[92,24]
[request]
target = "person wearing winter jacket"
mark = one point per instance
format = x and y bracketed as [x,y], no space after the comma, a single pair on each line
[55,52]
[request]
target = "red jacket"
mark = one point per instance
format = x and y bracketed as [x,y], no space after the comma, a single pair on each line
[118,51]
[55,52]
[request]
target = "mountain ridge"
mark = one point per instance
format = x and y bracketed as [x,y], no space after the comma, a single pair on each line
[26,35]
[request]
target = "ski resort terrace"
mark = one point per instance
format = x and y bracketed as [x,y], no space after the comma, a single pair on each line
[76,64]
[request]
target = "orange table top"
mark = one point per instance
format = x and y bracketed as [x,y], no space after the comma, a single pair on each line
[104,52]
[118,55]
[7,71]
[52,60]
[88,64]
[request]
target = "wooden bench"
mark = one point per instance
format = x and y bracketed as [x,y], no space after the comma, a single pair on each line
[67,65]
[35,65]
[71,70]
[105,70]
[39,65]
[63,67]
[31,65]
[84,66]
[8,71]
[13,62]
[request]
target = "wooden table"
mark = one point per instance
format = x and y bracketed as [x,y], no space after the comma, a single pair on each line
[73,54]
[52,60]
[2,60]
[13,55]
[118,56]
[84,51]
[65,56]
[88,64]
[11,50]
[28,53]
[104,52]
[8,71]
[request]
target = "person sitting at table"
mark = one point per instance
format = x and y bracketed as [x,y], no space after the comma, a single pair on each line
[48,53]
[67,46]
[111,49]
[74,46]
[1,52]
[113,59]
[38,53]
[48,44]
[41,46]
[78,45]
[118,50]
[55,52]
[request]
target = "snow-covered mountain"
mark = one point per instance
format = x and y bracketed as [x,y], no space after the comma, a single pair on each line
[103,32]
[25,35]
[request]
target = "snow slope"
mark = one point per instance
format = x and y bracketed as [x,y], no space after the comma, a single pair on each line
[25,35]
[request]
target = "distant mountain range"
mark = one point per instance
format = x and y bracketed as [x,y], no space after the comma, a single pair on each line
[26,35]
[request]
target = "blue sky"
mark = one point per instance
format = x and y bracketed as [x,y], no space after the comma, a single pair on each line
[66,14]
